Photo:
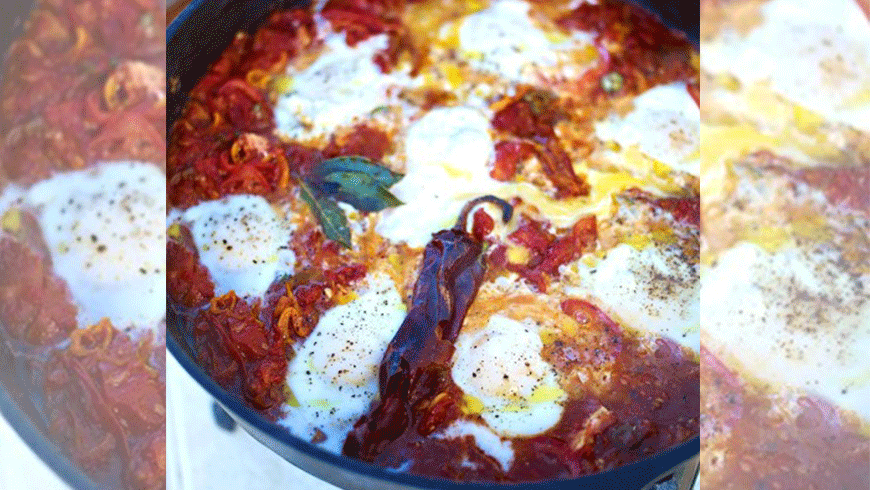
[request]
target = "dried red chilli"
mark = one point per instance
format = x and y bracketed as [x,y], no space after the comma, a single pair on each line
[415,370]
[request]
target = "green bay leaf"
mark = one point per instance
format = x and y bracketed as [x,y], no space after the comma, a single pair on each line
[328,214]
[359,190]
[359,165]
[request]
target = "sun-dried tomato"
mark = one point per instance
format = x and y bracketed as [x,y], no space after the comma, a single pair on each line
[309,294]
[362,19]
[549,252]
[133,389]
[694,89]
[532,235]
[567,248]
[532,116]
[533,276]
[241,351]
[345,274]
[103,394]
[363,140]
[226,105]
[586,313]
[148,466]
[129,134]
[508,155]
[686,210]
[634,43]
[35,305]
[282,37]
[559,169]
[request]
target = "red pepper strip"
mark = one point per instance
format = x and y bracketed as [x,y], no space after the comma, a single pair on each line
[557,166]
[416,366]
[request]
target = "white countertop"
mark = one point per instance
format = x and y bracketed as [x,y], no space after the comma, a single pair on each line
[202,456]
[20,467]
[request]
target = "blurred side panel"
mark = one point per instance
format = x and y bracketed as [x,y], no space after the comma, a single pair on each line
[785,298]
[82,234]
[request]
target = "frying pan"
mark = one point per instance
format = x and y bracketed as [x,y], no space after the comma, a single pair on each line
[195,39]
[20,386]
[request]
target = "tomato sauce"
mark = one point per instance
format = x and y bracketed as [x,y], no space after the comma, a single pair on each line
[70,96]
[227,110]
[245,345]
[187,281]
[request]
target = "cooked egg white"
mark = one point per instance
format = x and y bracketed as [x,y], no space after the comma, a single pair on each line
[104,228]
[664,125]
[449,156]
[651,290]
[792,317]
[342,85]
[502,39]
[448,152]
[242,242]
[501,366]
[334,375]
[11,196]
[488,441]
[817,58]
